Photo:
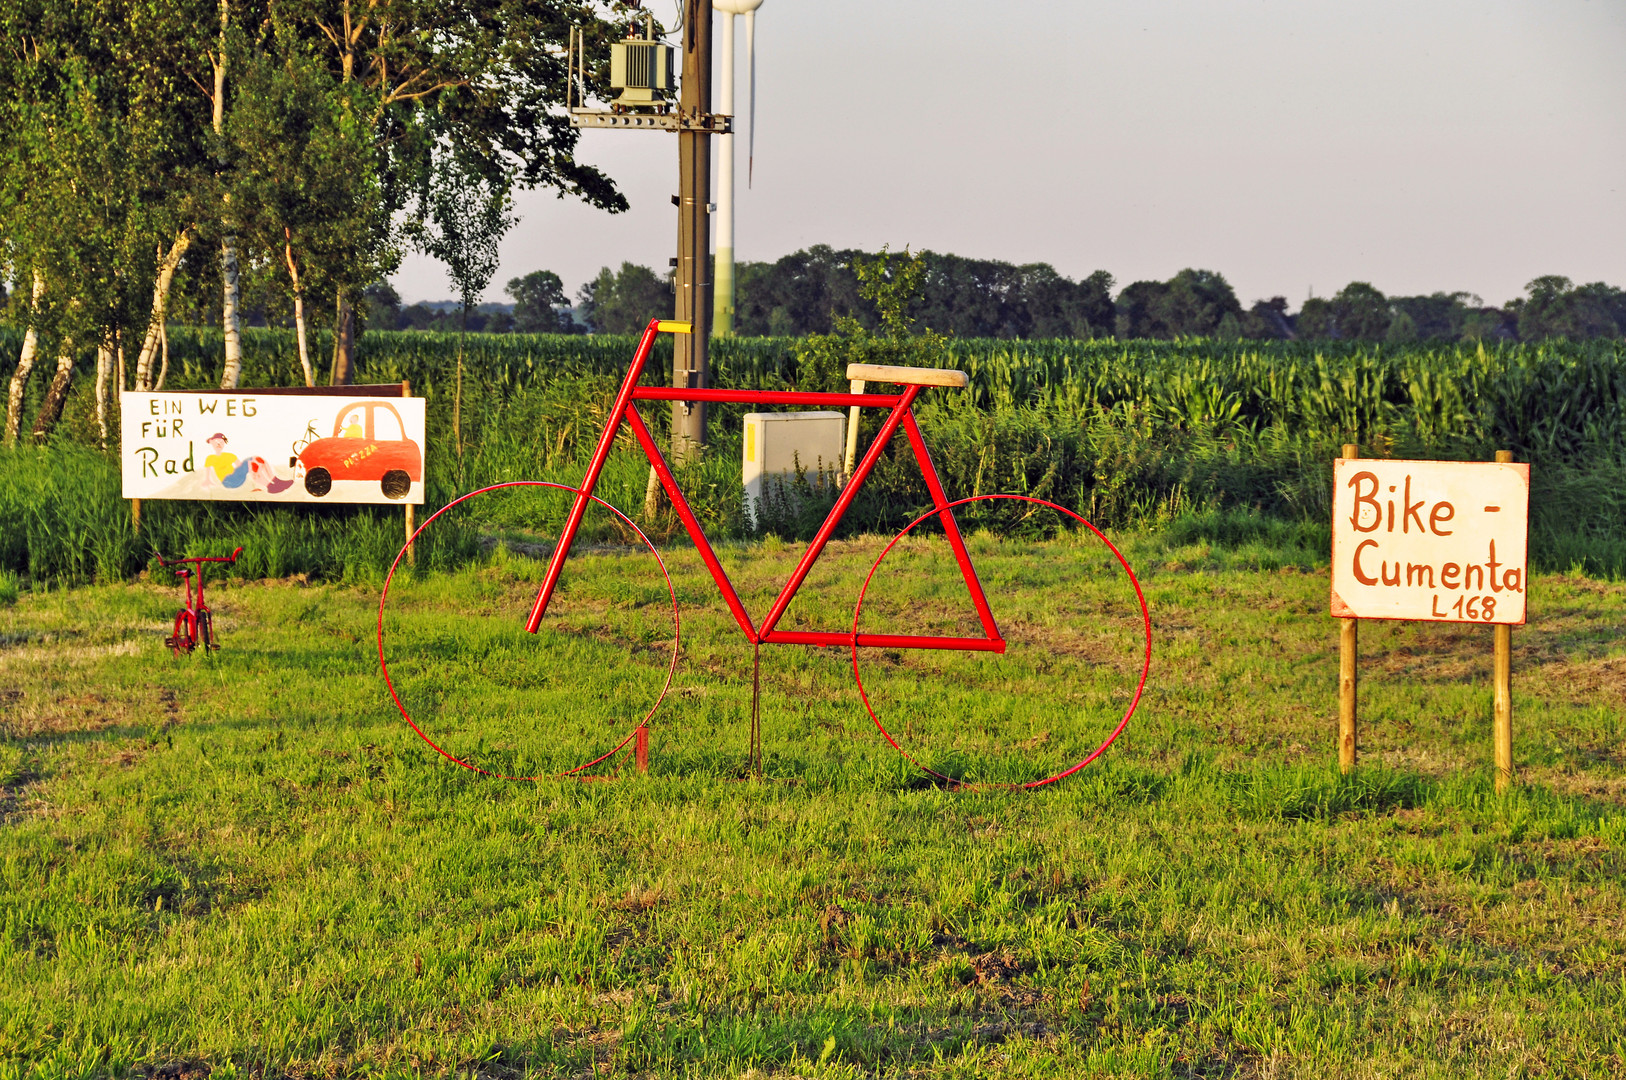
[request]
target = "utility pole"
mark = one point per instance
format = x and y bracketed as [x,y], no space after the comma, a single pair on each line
[689,353]
[641,67]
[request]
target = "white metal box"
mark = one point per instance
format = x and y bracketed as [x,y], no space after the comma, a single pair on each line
[777,444]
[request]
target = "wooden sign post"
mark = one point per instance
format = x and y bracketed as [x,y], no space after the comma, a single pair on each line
[1445,541]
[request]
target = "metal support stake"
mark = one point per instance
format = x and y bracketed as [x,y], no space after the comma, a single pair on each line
[754,755]
[135,516]
[640,750]
[1348,649]
[1503,668]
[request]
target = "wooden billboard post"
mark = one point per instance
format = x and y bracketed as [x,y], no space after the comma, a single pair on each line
[1348,649]
[412,552]
[1408,538]
[1502,635]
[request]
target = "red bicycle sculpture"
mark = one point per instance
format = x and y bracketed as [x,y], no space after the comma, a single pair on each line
[624,414]
[194,623]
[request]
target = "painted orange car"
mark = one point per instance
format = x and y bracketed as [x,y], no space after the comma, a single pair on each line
[369,443]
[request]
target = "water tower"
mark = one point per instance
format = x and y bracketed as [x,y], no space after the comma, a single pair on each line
[723,290]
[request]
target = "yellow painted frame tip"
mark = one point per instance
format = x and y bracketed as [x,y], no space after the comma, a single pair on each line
[672,326]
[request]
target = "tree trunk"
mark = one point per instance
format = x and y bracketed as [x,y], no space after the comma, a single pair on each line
[25,365]
[299,308]
[104,362]
[457,393]
[233,371]
[160,305]
[163,344]
[51,409]
[344,345]
[231,374]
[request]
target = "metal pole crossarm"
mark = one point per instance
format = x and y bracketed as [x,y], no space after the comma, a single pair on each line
[709,123]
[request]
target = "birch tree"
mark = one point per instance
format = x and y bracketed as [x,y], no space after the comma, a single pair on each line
[486,77]
[468,215]
[25,363]
[306,172]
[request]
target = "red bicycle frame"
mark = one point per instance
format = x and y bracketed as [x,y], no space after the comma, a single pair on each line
[191,611]
[625,411]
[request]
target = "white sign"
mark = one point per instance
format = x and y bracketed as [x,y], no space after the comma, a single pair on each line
[282,448]
[1439,540]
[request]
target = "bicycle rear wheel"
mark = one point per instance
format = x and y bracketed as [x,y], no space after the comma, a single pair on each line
[1077,639]
[206,631]
[482,692]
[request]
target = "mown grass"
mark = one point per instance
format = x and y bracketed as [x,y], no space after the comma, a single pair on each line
[248,864]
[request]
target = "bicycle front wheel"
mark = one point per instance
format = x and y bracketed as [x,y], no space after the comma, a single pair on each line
[487,695]
[1071,652]
[182,638]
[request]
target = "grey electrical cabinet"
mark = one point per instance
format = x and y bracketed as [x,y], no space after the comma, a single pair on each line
[777,444]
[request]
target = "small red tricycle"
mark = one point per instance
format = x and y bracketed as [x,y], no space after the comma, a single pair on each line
[194,624]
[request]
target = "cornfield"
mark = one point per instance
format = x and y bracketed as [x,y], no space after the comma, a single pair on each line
[1126,431]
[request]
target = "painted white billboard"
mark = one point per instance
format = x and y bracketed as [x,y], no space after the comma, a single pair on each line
[1439,540]
[280,448]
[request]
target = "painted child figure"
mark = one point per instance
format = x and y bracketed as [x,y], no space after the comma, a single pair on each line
[221,466]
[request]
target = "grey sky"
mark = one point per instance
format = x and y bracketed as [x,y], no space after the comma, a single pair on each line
[1418,145]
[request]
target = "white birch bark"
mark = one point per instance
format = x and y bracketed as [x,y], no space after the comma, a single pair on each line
[231,318]
[25,365]
[344,344]
[230,377]
[163,372]
[299,309]
[160,306]
[104,361]
[57,394]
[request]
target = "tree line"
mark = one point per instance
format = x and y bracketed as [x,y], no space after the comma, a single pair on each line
[809,291]
[164,161]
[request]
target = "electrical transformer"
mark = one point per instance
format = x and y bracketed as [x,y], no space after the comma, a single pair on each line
[642,70]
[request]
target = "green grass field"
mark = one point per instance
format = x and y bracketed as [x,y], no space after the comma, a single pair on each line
[248,865]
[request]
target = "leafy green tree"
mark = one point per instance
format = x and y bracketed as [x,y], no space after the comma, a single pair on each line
[1193,303]
[305,179]
[806,292]
[1316,320]
[1438,316]
[538,298]
[1058,307]
[1141,311]
[1361,313]
[1267,320]
[623,301]
[892,285]
[1554,307]
[801,293]
[1196,302]
[468,215]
